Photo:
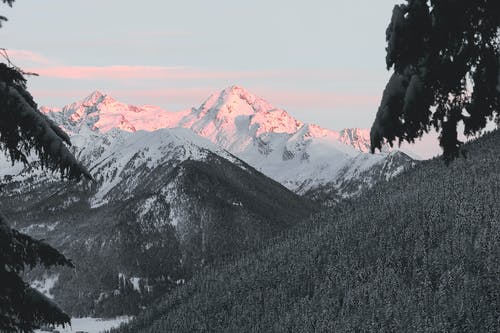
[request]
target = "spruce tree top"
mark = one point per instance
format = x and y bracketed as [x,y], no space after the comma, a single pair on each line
[446,59]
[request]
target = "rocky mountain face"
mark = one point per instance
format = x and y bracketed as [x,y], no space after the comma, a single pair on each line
[176,190]
[163,205]
[303,157]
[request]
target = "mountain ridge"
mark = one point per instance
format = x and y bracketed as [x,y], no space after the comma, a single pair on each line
[269,118]
[301,156]
[163,204]
[418,253]
[167,199]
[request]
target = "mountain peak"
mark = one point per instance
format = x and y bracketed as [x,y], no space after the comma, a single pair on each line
[94,97]
[236,98]
[101,112]
[239,92]
[235,89]
[234,116]
[359,138]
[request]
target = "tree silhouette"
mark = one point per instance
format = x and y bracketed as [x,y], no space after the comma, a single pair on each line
[446,60]
[25,130]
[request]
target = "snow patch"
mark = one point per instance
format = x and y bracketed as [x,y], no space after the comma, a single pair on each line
[91,325]
[39,227]
[45,284]
[135,281]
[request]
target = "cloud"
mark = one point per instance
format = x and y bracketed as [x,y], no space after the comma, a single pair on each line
[194,96]
[24,56]
[145,72]
[105,72]
[279,98]
[71,95]
[177,73]
[144,84]
[181,97]
[132,72]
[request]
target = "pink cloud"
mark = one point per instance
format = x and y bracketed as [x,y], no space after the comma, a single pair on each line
[105,72]
[194,96]
[135,72]
[17,56]
[185,97]
[71,95]
[280,98]
[177,73]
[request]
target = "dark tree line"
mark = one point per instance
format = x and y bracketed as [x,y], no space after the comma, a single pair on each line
[419,253]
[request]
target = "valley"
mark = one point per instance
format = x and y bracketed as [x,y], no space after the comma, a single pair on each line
[168,201]
[235,184]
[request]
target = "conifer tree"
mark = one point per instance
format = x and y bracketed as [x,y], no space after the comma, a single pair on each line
[24,130]
[446,60]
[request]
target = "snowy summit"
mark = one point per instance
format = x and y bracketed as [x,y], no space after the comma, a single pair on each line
[300,156]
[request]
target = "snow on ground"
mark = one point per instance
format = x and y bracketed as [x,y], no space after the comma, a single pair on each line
[45,284]
[135,283]
[91,325]
[39,227]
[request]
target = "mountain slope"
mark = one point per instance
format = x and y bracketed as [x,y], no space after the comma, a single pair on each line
[166,200]
[163,205]
[305,158]
[416,254]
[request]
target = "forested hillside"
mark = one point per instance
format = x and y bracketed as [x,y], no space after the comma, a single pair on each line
[420,253]
[159,223]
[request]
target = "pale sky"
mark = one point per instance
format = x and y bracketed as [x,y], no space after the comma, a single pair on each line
[321,60]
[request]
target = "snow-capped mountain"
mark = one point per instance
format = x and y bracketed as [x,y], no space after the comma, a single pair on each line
[357,137]
[102,113]
[122,161]
[163,203]
[174,190]
[303,157]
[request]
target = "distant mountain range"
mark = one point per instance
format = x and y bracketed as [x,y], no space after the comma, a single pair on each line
[302,157]
[175,191]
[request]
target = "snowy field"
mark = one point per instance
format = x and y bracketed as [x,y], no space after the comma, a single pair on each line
[90,325]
